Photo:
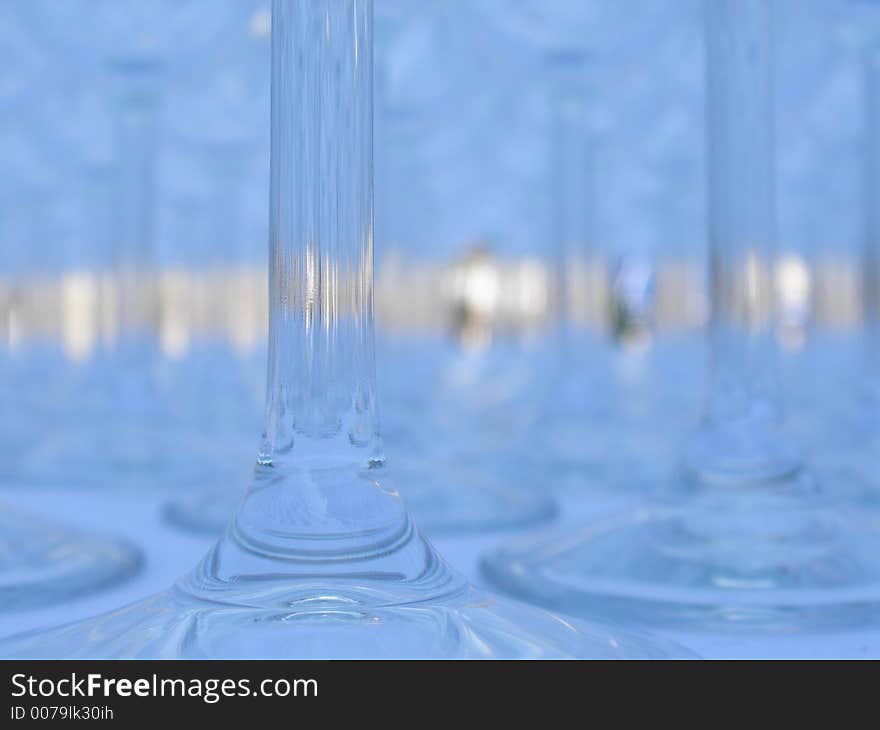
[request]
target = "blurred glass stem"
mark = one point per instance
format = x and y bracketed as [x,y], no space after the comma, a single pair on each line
[317,498]
[571,176]
[871,192]
[136,86]
[739,438]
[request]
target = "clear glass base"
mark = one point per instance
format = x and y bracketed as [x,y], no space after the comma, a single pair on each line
[746,451]
[843,450]
[854,467]
[438,616]
[772,556]
[440,437]
[463,502]
[619,435]
[43,563]
[449,501]
[206,511]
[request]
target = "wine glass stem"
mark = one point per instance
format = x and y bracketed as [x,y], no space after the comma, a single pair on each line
[321,394]
[319,503]
[739,439]
[871,191]
[741,209]
[136,116]
[571,175]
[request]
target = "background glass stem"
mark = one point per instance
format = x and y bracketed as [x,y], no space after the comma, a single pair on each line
[738,438]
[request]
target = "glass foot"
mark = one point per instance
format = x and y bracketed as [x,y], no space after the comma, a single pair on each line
[327,619]
[774,559]
[612,445]
[854,468]
[43,563]
[463,502]
[599,461]
[459,501]
[207,511]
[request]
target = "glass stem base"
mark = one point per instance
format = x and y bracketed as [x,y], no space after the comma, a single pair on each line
[779,557]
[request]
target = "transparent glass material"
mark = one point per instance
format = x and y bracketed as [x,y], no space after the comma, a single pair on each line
[849,431]
[435,423]
[121,431]
[743,536]
[587,437]
[321,559]
[96,32]
[870,58]
[43,563]
[451,440]
[237,100]
[444,497]
[450,488]
[440,437]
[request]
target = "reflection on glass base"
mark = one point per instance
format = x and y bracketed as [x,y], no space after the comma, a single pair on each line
[772,558]
[43,563]
[466,503]
[207,511]
[333,620]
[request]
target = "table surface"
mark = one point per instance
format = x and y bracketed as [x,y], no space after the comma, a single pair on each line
[169,552]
